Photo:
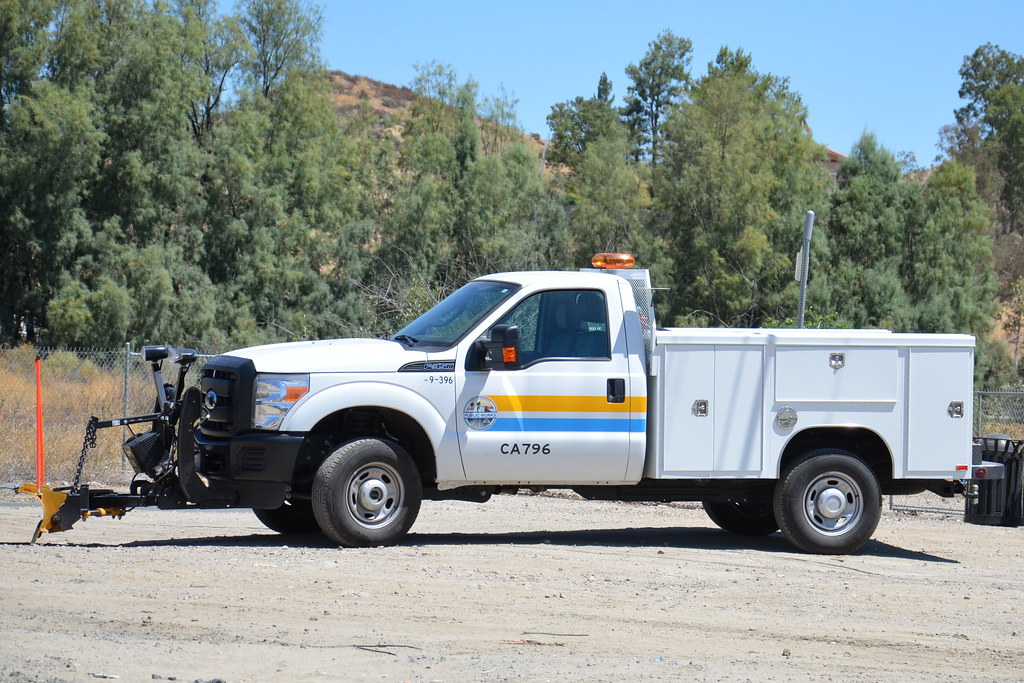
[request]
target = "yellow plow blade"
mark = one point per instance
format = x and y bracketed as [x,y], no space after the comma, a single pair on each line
[51,501]
[62,508]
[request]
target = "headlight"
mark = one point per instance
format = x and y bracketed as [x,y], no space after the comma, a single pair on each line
[275,395]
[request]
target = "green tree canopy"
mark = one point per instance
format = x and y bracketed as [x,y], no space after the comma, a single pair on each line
[578,123]
[738,175]
[657,83]
[989,130]
[907,256]
[173,172]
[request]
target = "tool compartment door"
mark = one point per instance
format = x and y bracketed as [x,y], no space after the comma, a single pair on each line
[940,410]
[712,410]
[823,375]
[686,415]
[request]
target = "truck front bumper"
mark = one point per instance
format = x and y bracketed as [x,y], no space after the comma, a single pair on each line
[251,456]
[263,456]
[253,469]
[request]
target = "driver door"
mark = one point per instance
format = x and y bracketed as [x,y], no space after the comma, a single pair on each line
[566,415]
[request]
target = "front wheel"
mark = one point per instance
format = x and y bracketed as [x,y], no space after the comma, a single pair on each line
[367,493]
[828,502]
[749,518]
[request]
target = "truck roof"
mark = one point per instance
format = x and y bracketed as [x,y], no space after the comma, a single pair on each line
[556,278]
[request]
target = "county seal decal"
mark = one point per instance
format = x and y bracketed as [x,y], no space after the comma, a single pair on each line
[480,413]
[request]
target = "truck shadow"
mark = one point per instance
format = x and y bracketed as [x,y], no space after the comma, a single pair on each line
[680,538]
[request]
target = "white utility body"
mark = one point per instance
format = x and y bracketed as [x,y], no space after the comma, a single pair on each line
[720,394]
[554,379]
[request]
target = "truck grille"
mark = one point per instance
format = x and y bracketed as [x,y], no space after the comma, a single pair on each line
[227,386]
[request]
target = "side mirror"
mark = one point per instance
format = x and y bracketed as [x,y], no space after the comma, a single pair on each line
[504,338]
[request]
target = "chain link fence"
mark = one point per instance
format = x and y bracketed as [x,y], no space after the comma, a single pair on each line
[999,412]
[76,384]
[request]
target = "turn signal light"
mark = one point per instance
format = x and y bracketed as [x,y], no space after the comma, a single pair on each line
[613,261]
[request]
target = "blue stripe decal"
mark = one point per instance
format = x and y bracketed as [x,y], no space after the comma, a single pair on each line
[565,424]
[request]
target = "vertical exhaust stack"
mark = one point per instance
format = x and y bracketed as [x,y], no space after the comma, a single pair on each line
[805,261]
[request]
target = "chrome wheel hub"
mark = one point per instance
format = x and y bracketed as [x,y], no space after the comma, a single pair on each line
[833,503]
[374,495]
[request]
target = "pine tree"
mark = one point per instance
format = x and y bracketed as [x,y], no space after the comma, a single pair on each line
[658,83]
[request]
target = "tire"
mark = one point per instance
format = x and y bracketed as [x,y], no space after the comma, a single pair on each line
[828,502]
[294,517]
[749,518]
[367,493]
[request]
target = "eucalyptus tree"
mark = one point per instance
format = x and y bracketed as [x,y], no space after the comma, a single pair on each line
[989,130]
[739,173]
[579,122]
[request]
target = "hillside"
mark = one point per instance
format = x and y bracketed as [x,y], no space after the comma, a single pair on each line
[349,92]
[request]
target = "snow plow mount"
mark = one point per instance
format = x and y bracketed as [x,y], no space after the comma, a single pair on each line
[151,453]
[62,507]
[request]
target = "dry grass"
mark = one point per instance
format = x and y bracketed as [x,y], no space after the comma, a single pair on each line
[73,389]
[349,93]
[1012,429]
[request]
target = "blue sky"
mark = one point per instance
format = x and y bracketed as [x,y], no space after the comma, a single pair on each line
[890,68]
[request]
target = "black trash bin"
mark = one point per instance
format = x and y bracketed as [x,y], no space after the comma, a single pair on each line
[1000,501]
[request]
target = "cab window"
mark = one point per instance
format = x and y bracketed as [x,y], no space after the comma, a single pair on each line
[561,324]
[446,323]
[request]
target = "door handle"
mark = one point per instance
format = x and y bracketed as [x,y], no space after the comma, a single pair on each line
[617,390]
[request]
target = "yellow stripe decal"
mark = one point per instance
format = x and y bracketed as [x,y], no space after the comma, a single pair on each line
[568,404]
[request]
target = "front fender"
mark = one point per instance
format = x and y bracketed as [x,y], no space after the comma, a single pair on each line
[313,408]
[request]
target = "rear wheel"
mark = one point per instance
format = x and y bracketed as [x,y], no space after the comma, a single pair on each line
[294,517]
[828,502]
[367,493]
[749,518]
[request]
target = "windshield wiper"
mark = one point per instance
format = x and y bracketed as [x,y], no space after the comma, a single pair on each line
[405,339]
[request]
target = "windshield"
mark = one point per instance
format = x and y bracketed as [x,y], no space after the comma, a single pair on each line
[447,322]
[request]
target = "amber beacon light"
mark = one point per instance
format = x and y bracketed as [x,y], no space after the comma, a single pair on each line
[613,261]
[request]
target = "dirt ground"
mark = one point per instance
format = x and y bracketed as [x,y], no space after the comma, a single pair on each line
[531,588]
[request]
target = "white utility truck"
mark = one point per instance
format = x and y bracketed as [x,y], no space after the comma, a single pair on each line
[535,380]
[563,380]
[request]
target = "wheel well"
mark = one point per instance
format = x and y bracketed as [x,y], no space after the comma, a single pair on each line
[362,422]
[862,442]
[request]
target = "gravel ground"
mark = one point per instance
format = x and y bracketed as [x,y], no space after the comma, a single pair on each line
[521,588]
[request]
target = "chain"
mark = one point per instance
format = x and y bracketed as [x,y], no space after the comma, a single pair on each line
[90,442]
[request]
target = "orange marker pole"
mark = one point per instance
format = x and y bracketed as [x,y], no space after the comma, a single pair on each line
[40,457]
